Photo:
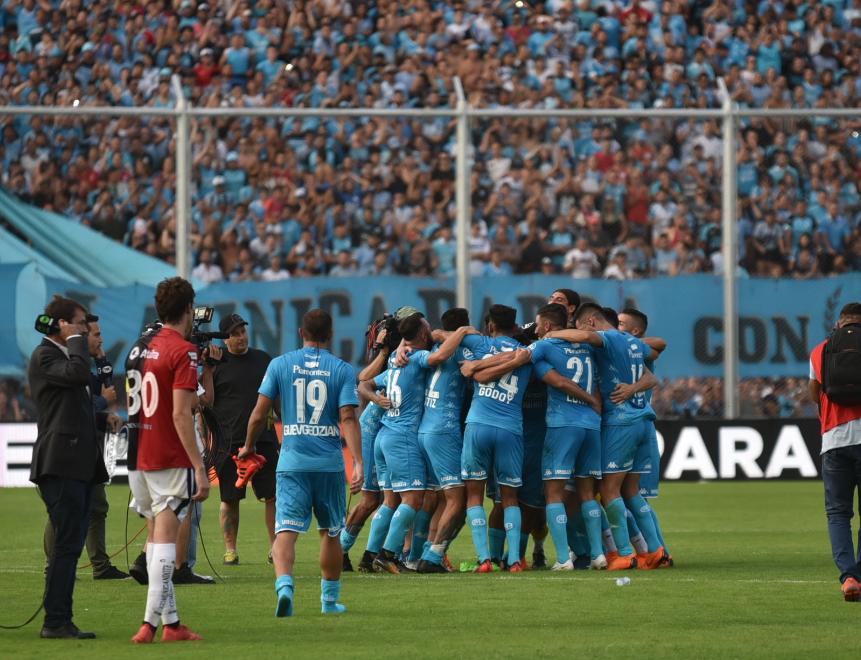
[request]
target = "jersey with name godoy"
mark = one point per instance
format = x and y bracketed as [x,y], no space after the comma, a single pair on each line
[444,394]
[405,388]
[576,362]
[621,359]
[169,362]
[498,403]
[313,386]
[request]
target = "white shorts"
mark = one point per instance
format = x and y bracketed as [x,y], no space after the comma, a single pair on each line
[157,490]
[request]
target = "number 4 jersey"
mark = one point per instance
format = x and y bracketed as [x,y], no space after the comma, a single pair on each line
[157,365]
[313,386]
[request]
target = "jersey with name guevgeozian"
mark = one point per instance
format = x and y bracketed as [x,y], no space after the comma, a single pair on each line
[444,394]
[498,403]
[405,388]
[621,359]
[576,362]
[313,386]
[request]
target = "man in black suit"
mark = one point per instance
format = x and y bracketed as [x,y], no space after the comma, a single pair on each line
[67,460]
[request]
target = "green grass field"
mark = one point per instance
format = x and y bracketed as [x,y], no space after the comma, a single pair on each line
[753,578]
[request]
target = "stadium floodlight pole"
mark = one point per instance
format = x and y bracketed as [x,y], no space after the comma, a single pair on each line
[182,208]
[462,197]
[729,239]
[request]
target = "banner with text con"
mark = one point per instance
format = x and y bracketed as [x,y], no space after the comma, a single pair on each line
[780,320]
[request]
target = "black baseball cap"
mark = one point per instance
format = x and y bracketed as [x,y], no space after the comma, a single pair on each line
[230,322]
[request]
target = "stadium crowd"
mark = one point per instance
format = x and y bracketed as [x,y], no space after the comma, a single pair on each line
[282,198]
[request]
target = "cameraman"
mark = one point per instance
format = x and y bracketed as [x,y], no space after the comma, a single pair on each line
[103,396]
[67,461]
[231,391]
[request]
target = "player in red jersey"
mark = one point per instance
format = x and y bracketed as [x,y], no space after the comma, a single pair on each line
[166,470]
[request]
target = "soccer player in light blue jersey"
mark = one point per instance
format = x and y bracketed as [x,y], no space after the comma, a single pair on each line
[318,393]
[399,453]
[621,359]
[441,436]
[635,322]
[370,422]
[493,439]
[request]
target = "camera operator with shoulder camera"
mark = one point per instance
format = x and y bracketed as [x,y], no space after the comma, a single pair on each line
[67,460]
[231,383]
[103,395]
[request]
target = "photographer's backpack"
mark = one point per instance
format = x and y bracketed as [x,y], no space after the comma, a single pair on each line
[841,366]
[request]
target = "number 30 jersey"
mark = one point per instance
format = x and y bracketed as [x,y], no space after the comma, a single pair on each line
[498,403]
[313,386]
[156,366]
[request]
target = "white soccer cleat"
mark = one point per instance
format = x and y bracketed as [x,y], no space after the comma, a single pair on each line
[564,566]
[599,563]
[571,556]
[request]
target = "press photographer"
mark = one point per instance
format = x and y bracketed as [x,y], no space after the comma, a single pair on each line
[67,461]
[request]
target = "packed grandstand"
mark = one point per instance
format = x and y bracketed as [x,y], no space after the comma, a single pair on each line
[274,199]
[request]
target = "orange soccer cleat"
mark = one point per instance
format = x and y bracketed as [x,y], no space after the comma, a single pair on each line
[179,633]
[247,467]
[516,567]
[651,560]
[851,590]
[145,635]
[484,567]
[621,563]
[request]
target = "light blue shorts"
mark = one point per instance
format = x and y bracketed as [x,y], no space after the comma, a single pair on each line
[298,494]
[650,481]
[371,483]
[625,448]
[443,452]
[571,451]
[491,450]
[405,466]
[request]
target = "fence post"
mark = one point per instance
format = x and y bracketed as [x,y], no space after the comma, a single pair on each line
[182,208]
[462,197]
[729,240]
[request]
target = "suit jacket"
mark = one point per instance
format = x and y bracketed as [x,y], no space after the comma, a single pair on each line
[66,444]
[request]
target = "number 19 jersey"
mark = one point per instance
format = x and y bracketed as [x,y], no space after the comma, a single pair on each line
[499,403]
[313,385]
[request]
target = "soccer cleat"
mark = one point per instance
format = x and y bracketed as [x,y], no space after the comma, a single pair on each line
[386,562]
[581,563]
[247,467]
[516,567]
[620,563]
[485,567]
[407,566]
[539,560]
[426,566]
[599,563]
[613,554]
[851,590]
[650,560]
[367,563]
[179,633]
[563,566]
[231,558]
[144,635]
[138,569]
[447,563]
[346,564]
[333,608]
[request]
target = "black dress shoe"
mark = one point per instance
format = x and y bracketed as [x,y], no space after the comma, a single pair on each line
[138,569]
[184,575]
[69,631]
[112,573]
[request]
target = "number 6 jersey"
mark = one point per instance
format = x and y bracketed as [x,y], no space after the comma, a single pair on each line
[158,364]
[313,385]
